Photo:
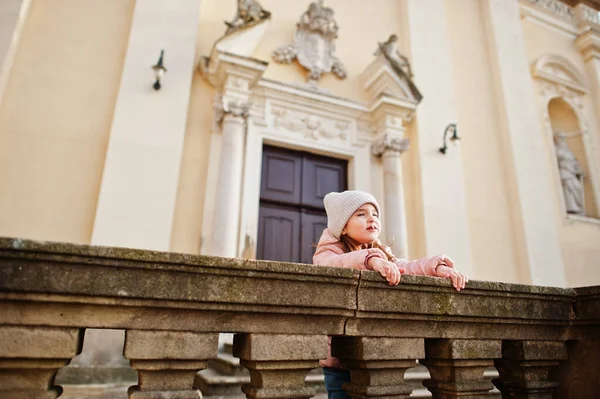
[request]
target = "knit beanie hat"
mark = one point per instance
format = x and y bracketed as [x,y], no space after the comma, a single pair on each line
[341,206]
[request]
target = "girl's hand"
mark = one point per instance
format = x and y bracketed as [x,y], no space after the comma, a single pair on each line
[458,279]
[387,269]
[437,260]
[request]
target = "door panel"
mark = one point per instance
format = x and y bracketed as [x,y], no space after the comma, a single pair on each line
[291,214]
[313,225]
[278,234]
[281,174]
[321,176]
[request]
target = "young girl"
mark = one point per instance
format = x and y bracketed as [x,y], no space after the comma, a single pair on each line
[351,239]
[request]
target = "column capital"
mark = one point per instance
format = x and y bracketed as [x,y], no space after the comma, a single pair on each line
[389,143]
[233,107]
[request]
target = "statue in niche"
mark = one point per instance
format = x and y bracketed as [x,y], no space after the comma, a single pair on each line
[249,12]
[399,63]
[314,43]
[571,175]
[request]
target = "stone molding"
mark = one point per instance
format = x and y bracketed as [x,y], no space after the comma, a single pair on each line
[554,6]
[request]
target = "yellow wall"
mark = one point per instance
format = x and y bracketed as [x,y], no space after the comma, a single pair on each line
[580,240]
[489,210]
[55,116]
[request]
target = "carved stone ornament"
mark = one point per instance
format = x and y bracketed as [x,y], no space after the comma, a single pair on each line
[389,143]
[233,107]
[249,12]
[314,44]
[311,126]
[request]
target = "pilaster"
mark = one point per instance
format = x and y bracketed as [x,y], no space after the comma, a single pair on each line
[535,229]
[442,182]
[141,172]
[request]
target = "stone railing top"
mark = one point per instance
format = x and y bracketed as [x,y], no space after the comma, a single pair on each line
[71,285]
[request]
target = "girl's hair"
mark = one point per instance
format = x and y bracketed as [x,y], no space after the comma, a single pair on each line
[350,245]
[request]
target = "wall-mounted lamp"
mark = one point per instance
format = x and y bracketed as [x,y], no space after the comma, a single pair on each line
[159,70]
[454,137]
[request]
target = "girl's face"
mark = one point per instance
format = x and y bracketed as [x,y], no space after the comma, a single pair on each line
[364,225]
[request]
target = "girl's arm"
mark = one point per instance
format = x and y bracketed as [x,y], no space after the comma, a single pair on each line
[436,266]
[331,256]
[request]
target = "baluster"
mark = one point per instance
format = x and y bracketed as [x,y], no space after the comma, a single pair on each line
[377,365]
[278,364]
[457,365]
[167,362]
[527,368]
[30,357]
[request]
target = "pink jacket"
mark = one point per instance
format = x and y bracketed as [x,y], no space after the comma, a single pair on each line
[330,252]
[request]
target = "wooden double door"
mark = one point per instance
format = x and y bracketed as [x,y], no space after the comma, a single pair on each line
[291,214]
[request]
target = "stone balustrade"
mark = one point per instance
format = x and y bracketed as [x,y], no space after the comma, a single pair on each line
[545,342]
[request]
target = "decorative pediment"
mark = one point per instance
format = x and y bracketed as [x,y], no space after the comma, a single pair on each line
[559,71]
[382,80]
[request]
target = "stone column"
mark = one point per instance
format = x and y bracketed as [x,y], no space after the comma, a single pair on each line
[377,365]
[457,365]
[527,368]
[168,361]
[30,358]
[390,147]
[535,227]
[229,187]
[278,364]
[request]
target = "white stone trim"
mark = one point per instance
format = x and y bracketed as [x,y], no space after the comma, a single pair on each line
[550,66]
[564,24]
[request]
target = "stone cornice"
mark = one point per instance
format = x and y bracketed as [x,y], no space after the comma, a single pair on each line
[225,69]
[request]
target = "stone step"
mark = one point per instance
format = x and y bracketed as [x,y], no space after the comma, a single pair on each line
[227,364]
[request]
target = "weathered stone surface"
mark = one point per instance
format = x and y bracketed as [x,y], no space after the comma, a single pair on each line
[457,349]
[39,343]
[367,348]
[167,362]
[152,345]
[260,347]
[457,366]
[377,365]
[527,368]
[278,364]
[579,376]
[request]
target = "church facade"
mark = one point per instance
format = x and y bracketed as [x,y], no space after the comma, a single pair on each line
[475,123]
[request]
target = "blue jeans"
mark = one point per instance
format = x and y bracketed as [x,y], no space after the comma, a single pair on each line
[334,378]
